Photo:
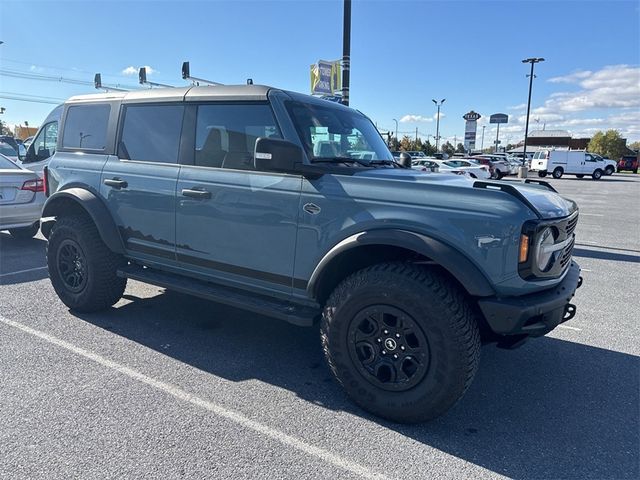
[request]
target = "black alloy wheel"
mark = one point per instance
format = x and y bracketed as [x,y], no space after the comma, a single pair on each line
[388,347]
[72,265]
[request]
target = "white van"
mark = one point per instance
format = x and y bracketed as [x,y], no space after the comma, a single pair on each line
[43,145]
[572,162]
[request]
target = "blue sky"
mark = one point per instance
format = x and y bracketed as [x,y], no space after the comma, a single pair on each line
[404,53]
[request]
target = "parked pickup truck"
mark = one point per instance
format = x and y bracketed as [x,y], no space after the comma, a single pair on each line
[258,198]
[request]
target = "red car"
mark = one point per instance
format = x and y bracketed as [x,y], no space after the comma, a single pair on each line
[628,162]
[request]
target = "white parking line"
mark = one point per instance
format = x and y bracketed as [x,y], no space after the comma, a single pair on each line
[570,328]
[22,271]
[592,214]
[221,411]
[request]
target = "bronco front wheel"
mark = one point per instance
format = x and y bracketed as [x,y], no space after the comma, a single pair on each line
[402,341]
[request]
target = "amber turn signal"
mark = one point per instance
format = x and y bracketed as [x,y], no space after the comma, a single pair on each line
[524,248]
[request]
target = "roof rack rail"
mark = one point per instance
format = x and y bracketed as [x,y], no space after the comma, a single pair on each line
[186,75]
[540,182]
[142,77]
[510,189]
[97,81]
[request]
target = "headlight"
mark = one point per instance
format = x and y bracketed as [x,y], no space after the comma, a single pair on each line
[543,253]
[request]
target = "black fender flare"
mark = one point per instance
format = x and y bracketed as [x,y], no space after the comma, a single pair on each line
[93,206]
[449,258]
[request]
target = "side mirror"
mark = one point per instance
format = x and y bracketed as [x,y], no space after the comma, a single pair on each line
[30,156]
[405,160]
[276,155]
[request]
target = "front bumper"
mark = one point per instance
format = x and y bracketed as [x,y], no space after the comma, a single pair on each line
[535,314]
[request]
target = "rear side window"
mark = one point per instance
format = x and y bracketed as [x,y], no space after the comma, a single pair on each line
[85,127]
[151,133]
[7,164]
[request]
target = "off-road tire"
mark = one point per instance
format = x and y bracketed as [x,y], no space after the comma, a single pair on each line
[25,233]
[437,306]
[558,172]
[597,174]
[102,287]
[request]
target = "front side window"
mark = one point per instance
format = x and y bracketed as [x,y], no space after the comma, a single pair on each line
[329,132]
[226,134]
[44,145]
[85,127]
[151,133]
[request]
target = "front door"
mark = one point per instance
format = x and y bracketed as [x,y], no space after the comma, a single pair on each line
[234,224]
[139,184]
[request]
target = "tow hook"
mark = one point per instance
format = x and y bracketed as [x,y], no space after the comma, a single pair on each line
[579,282]
[569,312]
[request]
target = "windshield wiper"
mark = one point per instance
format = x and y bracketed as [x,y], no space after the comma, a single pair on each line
[340,160]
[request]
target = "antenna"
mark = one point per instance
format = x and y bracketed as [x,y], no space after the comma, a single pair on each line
[142,77]
[97,81]
[186,75]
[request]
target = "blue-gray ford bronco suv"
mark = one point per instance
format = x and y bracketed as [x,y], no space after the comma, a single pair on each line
[293,207]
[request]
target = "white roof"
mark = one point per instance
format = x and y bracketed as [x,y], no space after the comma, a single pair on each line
[549,133]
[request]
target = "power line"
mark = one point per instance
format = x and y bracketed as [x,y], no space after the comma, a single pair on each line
[33,96]
[31,100]
[51,78]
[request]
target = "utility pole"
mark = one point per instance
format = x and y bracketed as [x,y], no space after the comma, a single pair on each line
[346,51]
[396,131]
[416,135]
[532,61]
[438,122]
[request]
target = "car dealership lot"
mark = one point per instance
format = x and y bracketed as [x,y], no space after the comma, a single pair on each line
[166,385]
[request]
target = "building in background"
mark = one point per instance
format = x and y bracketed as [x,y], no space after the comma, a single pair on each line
[23,132]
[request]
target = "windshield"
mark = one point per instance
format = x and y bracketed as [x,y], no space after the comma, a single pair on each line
[328,132]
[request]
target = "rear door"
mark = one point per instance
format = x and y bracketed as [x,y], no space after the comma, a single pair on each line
[139,184]
[234,224]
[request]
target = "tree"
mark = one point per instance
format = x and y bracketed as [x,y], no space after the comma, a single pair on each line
[3,128]
[428,148]
[609,144]
[406,143]
[460,148]
[447,148]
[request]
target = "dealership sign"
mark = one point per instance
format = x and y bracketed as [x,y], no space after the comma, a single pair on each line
[499,118]
[470,127]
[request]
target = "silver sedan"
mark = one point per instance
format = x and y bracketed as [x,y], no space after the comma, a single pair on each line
[21,199]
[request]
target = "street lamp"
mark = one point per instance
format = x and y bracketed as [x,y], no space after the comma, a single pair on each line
[438,121]
[396,131]
[532,61]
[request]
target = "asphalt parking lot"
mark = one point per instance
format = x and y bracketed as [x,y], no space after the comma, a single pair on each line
[164,385]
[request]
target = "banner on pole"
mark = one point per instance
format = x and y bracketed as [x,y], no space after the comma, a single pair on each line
[325,77]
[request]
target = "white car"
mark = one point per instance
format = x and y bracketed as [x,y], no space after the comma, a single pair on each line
[21,199]
[474,169]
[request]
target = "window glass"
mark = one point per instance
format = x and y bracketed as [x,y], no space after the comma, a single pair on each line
[8,150]
[329,132]
[226,134]
[7,164]
[86,127]
[44,145]
[151,133]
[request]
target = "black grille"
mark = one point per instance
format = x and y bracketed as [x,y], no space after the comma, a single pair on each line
[571,225]
[565,256]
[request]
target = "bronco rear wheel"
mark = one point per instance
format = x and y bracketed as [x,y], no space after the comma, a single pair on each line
[402,341]
[82,269]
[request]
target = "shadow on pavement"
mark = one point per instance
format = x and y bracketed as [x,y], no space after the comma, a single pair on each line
[21,255]
[618,257]
[548,410]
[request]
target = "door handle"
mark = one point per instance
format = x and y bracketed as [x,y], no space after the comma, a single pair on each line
[115,183]
[196,193]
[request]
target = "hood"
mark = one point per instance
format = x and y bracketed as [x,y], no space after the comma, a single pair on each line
[540,198]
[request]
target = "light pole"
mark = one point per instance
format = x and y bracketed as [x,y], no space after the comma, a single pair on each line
[346,51]
[532,61]
[482,144]
[438,121]
[396,131]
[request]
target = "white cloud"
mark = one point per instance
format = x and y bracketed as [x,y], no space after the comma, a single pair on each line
[415,119]
[572,77]
[35,68]
[131,70]
[520,106]
[616,86]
